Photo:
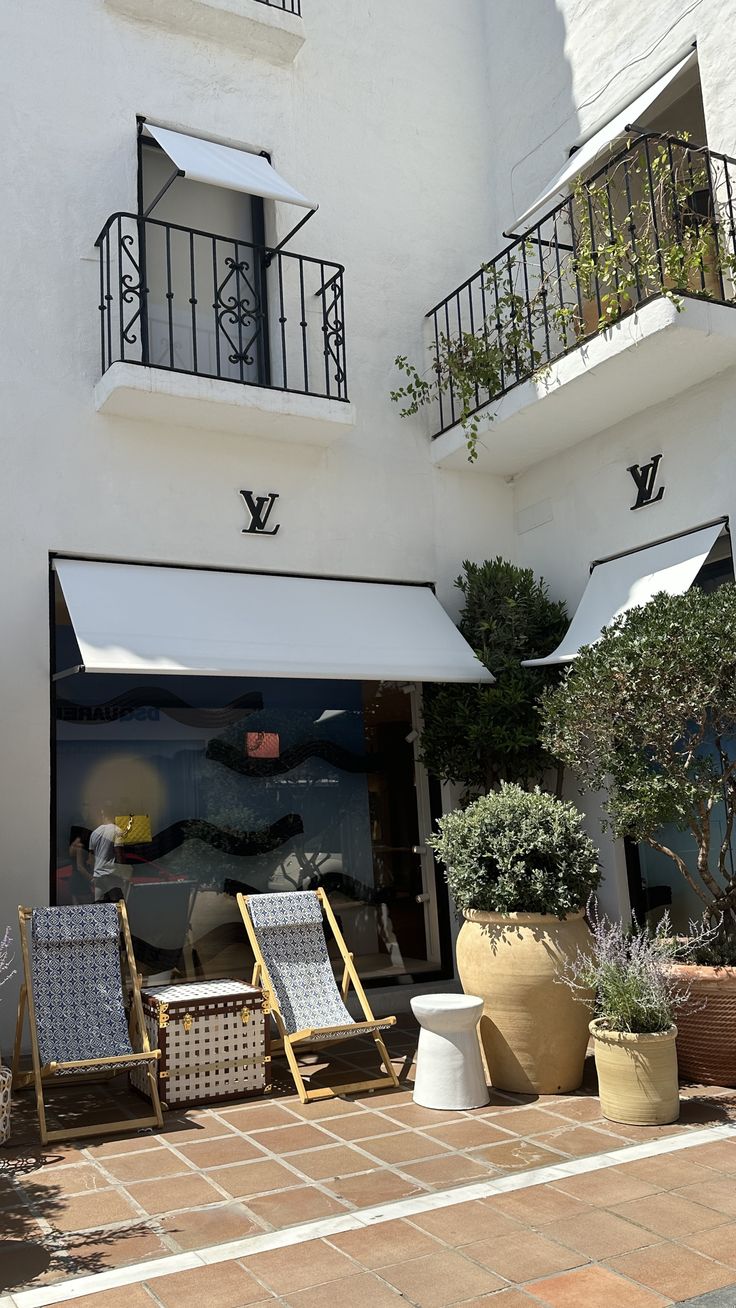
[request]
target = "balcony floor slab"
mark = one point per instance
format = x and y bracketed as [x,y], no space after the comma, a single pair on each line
[261,29]
[129,390]
[648,357]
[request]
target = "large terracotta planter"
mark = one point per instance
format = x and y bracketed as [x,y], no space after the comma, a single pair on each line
[706,1025]
[637,1075]
[533,1031]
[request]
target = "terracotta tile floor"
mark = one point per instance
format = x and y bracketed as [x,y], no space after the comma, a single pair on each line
[648,1232]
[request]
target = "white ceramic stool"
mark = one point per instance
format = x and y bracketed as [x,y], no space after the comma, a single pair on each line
[449,1066]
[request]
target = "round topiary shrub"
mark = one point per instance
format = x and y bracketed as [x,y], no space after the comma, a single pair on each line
[517,851]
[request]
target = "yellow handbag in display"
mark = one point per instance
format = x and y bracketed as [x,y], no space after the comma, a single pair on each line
[136,828]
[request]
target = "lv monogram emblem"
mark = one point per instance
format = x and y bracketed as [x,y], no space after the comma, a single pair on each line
[259,509]
[645,475]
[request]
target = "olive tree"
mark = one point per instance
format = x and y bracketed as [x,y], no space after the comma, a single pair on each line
[648,714]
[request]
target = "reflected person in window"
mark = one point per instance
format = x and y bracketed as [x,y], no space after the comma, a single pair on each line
[108,875]
[80,884]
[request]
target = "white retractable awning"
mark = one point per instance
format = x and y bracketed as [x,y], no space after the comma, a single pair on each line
[593,150]
[630,580]
[130,618]
[222,165]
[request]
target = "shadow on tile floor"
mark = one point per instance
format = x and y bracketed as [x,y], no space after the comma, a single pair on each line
[231,1170]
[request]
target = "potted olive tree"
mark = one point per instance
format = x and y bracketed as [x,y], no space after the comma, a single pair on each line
[520,869]
[648,715]
[6,1075]
[637,996]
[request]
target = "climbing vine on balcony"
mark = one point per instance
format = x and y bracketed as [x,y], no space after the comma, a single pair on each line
[646,224]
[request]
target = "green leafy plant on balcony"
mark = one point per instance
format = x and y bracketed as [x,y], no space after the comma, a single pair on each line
[645,225]
[469,364]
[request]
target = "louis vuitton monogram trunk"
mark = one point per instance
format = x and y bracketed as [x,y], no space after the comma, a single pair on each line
[214,1041]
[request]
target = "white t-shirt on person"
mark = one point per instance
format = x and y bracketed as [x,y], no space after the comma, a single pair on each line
[107,873]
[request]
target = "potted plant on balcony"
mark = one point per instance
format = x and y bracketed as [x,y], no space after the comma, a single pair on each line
[637,996]
[648,716]
[6,1075]
[644,224]
[520,868]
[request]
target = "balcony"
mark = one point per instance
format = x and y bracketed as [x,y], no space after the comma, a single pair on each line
[288,6]
[616,299]
[268,29]
[206,331]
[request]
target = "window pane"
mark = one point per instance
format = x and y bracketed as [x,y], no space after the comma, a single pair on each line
[179,792]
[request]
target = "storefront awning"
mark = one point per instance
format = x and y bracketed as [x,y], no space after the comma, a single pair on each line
[130,618]
[222,165]
[594,149]
[623,583]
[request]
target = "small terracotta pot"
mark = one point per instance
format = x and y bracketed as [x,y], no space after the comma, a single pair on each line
[637,1075]
[534,1033]
[706,1025]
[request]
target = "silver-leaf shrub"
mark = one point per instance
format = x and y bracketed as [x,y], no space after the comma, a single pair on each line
[630,969]
[517,851]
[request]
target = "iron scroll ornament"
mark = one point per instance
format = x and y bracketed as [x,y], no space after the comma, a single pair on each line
[239,311]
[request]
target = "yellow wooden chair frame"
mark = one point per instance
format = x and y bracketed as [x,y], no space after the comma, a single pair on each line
[286,1042]
[86,1069]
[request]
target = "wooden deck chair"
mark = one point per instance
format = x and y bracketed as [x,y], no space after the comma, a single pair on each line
[73,993]
[286,932]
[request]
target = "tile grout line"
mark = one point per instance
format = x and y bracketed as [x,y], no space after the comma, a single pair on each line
[360,1219]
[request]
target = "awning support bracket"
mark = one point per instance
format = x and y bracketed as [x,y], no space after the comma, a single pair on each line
[310,214]
[178,172]
[68,672]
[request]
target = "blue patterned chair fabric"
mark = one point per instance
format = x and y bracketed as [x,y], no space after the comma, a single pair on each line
[77,985]
[292,939]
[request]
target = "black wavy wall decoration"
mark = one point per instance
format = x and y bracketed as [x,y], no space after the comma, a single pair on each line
[344,759]
[226,841]
[157,697]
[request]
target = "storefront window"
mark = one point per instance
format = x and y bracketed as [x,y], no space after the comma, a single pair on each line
[178,792]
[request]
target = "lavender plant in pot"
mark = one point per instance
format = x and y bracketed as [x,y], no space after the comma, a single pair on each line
[6,1075]
[637,996]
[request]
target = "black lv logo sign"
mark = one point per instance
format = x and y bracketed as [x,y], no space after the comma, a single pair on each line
[259,508]
[645,475]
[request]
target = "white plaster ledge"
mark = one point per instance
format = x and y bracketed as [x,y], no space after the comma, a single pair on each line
[261,29]
[648,358]
[129,390]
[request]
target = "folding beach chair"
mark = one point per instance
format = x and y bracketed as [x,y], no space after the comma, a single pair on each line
[73,991]
[286,932]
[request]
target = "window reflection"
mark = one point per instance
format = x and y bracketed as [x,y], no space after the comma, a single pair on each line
[178,793]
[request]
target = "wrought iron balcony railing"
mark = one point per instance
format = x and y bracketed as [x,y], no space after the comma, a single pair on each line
[657,219]
[290,6]
[189,301]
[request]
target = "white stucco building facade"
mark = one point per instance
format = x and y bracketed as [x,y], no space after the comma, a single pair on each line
[421,131]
